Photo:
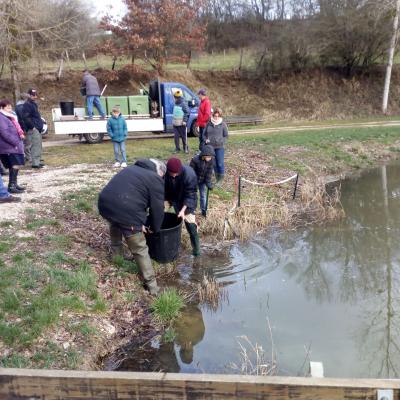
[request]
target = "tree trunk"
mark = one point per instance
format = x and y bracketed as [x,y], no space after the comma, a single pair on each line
[15,81]
[393,40]
[84,59]
[189,59]
[241,59]
[60,68]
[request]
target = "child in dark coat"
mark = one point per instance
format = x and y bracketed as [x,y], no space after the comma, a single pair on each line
[203,166]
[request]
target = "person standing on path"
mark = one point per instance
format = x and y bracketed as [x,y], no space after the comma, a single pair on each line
[32,123]
[181,193]
[215,134]
[133,196]
[91,88]
[180,116]
[5,196]
[203,115]
[118,131]
[11,145]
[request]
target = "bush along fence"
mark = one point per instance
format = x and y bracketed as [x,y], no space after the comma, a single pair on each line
[239,181]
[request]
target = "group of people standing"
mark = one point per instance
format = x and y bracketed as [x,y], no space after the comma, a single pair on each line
[20,141]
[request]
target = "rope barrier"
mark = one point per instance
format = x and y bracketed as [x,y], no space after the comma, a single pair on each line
[270,184]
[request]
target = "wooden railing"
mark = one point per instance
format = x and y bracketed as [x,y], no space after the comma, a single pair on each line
[64,385]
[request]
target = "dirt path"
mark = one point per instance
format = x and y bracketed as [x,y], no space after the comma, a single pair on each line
[48,185]
[74,141]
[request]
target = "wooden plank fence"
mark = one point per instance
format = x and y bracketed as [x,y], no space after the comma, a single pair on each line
[65,385]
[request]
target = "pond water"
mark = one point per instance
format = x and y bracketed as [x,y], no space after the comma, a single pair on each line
[329,293]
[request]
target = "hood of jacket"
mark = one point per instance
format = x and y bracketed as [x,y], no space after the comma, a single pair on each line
[207,150]
[146,164]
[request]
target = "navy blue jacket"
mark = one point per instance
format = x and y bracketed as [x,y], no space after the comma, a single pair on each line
[130,193]
[182,190]
[31,117]
[19,111]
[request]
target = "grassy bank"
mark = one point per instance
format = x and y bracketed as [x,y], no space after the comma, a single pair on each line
[64,302]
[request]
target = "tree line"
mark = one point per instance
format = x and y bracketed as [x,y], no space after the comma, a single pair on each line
[284,34]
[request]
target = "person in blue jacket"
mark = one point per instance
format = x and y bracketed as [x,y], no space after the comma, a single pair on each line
[118,131]
[180,116]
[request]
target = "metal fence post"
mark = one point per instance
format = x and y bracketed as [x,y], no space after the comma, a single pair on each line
[295,186]
[239,190]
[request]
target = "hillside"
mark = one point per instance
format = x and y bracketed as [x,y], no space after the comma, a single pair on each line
[310,95]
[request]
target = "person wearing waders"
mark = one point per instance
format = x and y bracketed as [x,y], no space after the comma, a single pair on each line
[132,197]
[181,193]
[180,116]
[203,165]
[32,124]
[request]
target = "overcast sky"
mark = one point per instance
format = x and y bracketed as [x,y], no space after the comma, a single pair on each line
[114,7]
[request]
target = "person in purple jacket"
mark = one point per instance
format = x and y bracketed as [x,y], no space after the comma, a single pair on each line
[11,146]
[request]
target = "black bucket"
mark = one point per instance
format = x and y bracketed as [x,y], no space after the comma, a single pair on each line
[67,107]
[164,245]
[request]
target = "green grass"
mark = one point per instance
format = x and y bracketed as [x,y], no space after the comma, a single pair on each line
[60,241]
[125,265]
[167,305]
[39,222]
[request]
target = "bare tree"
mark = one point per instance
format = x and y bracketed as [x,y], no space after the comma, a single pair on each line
[392,47]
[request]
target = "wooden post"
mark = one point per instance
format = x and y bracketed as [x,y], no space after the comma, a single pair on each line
[295,186]
[239,190]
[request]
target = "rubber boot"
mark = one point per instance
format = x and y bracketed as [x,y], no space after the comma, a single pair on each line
[2,169]
[194,238]
[16,180]
[116,241]
[138,247]
[12,183]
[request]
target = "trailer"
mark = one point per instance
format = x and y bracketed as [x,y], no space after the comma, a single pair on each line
[154,115]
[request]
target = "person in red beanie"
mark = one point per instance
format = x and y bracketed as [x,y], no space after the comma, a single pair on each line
[181,193]
[203,114]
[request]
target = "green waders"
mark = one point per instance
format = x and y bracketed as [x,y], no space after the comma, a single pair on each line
[116,241]
[194,238]
[138,247]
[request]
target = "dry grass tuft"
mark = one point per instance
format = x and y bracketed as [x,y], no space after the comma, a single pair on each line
[263,207]
[211,292]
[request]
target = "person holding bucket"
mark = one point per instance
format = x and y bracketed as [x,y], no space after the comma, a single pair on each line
[132,199]
[181,193]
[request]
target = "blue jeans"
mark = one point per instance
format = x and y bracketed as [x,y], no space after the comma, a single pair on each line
[219,167]
[3,190]
[203,196]
[96,101]
[119,146]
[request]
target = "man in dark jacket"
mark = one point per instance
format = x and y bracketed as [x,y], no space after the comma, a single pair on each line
[203,165]
[91,88]
[32,123]
[180,116]
[124,202]
[181,193]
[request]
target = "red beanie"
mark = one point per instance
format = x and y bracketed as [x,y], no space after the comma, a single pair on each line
[174,165]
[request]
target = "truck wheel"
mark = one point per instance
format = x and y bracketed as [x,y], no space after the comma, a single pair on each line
[93,138]
[193,131]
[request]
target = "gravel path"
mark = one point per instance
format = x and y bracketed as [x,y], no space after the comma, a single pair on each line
[48,185]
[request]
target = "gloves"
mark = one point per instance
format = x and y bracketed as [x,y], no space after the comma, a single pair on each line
[211,187]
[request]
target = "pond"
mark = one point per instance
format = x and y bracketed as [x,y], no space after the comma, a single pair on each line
[327,293]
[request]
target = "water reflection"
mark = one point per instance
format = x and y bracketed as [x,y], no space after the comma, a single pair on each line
[333,287]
